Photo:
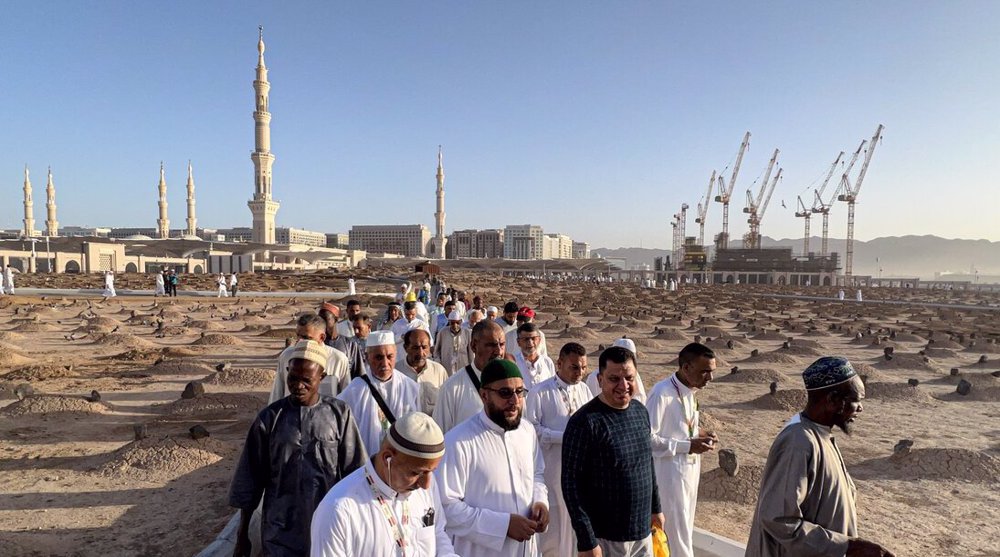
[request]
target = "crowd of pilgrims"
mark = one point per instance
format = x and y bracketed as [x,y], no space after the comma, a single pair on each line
[443,427]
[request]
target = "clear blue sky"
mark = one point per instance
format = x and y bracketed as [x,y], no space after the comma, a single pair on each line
[595,119]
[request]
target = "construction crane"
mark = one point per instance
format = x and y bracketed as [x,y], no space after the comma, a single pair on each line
[750,239]
[819,207]
[703,211]
[850,195]
[726,193]
[676,225]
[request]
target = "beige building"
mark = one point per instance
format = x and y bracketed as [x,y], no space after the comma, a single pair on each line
[557,246]
[581,250]
[410,240]
[523,241]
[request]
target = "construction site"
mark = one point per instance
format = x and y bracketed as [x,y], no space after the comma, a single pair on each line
[747,261]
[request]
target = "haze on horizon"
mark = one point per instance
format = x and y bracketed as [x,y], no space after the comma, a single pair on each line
[596,121]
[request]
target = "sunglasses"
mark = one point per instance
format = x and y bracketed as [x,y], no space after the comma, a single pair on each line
[506,392]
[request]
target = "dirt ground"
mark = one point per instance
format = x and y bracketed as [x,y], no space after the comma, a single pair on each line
[76,482]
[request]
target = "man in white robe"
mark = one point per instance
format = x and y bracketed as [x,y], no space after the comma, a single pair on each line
[109,284]
[159,289]
[640,393]
[534,367]
[453,344]
[524,315]
[492,476]
[406,322]
[398,482]
[8,279]
[549,407]
[351,290]
[678,443]
[345,328]
[234,284]
[312,327]
[508,321]
[459,397]
[383,395]
[417,365]
[222,291]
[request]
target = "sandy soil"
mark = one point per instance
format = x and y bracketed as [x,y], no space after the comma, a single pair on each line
[76,482]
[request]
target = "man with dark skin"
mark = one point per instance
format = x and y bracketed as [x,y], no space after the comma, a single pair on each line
[807,499]
[345,328]
[296,450]
[429,374]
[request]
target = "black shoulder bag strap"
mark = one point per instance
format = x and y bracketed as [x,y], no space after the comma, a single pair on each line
[472,376]
[379,400]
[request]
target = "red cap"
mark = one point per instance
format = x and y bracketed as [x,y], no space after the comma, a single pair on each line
[331,308]
[526,312]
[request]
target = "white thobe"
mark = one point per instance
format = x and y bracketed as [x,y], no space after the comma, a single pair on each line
[159,290]
[232,280]
[223,292]
[458,399]
[507,327]
[548,407]
[8,278]
[350,287]
[338,374]
[430,380]
[673,420]
[535,372]
[109,286]
[401,326]
[345,328]
[401,395]
[858,297]
[595,387]
[510,340]
[486,475]
[350,521]
[452,349]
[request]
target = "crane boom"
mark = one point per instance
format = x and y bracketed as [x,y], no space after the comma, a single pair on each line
[826,181]
[739,161]
[767,199]
[845,181]
[868,159]
[703,207]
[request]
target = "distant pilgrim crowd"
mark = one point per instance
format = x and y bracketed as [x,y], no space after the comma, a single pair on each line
[444,428]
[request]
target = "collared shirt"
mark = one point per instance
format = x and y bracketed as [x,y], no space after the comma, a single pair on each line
[430,380]
[486,475]
[458,399]
[350,520]
[345,328]
[400,394]
[292,456]
[535,372]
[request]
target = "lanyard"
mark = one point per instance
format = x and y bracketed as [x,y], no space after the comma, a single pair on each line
[694,414]
[398,532]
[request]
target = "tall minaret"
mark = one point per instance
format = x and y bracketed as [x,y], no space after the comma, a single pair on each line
[162,223]
[29,207]
[439,239]
[262,206]
[51,224]
[192,221]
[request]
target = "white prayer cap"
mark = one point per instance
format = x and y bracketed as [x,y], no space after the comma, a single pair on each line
[627,344]
[417,323]
[492,309]
[380,338]
[418,435]
[309,350]
[454,315]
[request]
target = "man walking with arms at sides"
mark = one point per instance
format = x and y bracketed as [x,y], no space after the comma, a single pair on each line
[807,501]
[534,367]
[459,397]
[416,365]
[311,327]
[296,450]
[390,506]
[453,347]
[492,476]
[355,361]
[383,394]
[549,407]
[678,443]
[608,480]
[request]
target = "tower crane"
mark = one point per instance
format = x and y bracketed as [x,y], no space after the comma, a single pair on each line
[818,207]
[726,193]
[752,208]
[703,211]
[681,231]
[850,195]
[675,249]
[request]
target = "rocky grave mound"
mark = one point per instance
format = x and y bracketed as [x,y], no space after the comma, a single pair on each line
[752,375]
[981,391]
[787,400]
[889,392]
[776,357]
[9,336]
[213,402]
[242,377]
[205,325]
[935,464]
[278,333]
[178,331]
[42,405]
[769,335]
[9,357]
[34,327]
[163,459]
[671,335]
[218,339]
[40,372]
[179,367]
[908,362]
[124,340]
[743,488]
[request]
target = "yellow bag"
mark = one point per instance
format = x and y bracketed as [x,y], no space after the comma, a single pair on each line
[660,547]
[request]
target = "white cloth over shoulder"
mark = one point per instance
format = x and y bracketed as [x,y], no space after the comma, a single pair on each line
[401,395]
[458,399]
[486,475]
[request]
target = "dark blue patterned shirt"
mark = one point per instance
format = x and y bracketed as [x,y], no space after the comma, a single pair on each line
[607,473]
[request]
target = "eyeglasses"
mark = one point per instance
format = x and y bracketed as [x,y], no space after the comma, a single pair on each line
[506,392]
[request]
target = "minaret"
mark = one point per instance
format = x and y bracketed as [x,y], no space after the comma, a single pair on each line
[262,206]
[29,207]
[162,223]
[192,221]
[51,224]
[439,239]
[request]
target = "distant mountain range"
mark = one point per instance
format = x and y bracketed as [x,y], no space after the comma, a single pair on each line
[898,256]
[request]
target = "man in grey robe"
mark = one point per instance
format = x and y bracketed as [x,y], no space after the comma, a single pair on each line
[296,450]
[807,505]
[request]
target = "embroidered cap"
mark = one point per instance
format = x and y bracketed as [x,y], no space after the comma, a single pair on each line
[627,344]
[309,350]
[827,372]
[418,435]
[454,315]
[380,338]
